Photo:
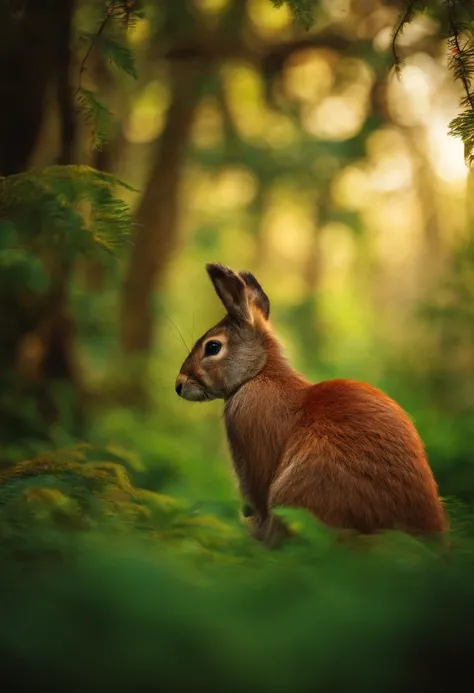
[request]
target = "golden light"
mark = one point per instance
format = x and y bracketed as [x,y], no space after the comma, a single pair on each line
[244,91]
[279,131]
[420,26]
[351,189]
[147,116]
[308,76]
[337,247]
[383,39]
[288,225]
[290,233]
[336,118]
[410,96]
[396,225]
[211,7]
[268,21]
[210,194]
[446,152]
[208,128]
[337,9]
[233,187]
[391,173]
[139,32]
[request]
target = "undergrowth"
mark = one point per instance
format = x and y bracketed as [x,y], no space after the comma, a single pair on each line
[106,585]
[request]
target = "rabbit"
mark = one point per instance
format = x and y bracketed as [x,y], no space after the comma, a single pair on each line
[341,449]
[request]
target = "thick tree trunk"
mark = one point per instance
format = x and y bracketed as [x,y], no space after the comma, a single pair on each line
[157,215]
[37,332]
[34,37]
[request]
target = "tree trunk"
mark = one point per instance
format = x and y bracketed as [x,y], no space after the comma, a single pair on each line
[157,215]
[34,40]
[37,332]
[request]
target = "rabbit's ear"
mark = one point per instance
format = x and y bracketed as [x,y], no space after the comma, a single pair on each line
[232,291]
[256,295]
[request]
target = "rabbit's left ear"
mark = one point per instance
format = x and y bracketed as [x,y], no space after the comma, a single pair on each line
[232,291]
[256,295]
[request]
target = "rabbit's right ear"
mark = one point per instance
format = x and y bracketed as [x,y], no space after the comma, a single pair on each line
[231,290]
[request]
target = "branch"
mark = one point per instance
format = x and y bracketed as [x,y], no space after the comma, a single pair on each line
[108,15]
[269,58]
[405,19]
[459,56]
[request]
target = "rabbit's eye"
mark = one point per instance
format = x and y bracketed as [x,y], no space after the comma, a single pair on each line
[212,348]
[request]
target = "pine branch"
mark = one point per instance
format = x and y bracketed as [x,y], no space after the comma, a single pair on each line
[90,107]
[461,62]
[302,10]
[462,59]
[406,17]
[108,16]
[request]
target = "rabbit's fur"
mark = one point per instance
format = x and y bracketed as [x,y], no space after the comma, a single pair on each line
[341,449]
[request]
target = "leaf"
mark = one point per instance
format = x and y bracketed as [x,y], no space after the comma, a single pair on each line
[96,114]
[118,54]
[21,270]
[72,208]
[463,127]
[303,523]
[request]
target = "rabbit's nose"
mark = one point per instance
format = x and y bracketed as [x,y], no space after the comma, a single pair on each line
[180,380]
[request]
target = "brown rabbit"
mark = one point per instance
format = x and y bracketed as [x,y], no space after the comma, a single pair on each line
[341,449]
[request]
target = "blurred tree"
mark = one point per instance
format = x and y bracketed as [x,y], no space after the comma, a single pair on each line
[196,52]
[35,42]
[47,218]
[157,214]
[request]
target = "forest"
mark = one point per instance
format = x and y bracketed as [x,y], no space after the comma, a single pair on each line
[326,147]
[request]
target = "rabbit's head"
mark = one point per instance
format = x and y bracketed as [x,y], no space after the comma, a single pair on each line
[233,351]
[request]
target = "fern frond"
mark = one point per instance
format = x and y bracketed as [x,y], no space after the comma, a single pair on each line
[118,54]
[74,208]
[95,114]
[110,212]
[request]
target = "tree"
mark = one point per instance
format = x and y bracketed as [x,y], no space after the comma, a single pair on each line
[48,218]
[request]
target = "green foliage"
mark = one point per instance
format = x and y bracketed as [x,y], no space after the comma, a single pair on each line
[71,208]
[109,40]
[118,54]
[125,564]
[462,126]
[456,18]
[90,558]
[302,10]
[89,489]
[19,269]
[95,114]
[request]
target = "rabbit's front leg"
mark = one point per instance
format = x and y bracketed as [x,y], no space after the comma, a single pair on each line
[248,507]
[271,531]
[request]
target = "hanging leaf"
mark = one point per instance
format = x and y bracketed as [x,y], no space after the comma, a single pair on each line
[118,54]
[96,114]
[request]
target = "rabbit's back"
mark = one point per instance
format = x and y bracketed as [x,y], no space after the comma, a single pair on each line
[356,460]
